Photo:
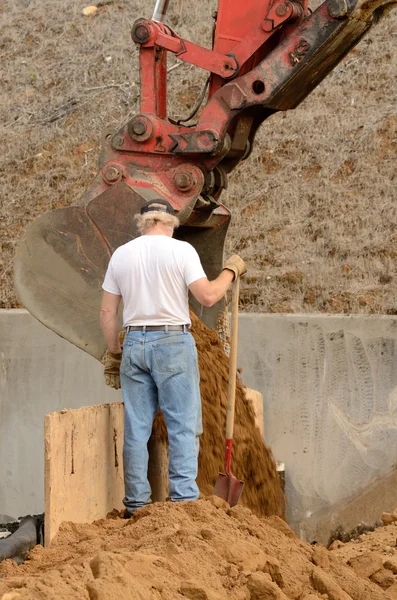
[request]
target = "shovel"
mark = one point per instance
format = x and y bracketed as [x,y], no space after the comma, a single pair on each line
[227,486]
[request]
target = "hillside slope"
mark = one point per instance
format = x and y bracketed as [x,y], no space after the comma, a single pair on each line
[313,207]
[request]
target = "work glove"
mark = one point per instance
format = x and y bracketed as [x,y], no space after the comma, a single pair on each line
[112,362]
[235,264]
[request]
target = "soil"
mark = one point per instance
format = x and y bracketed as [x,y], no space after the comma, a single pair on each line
[252,461]
[200,550]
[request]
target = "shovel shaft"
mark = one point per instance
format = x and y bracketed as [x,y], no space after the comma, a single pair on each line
[231,392]
[228,486]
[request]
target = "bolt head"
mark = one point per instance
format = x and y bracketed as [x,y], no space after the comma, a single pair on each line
[118,141]
[281,10]
[182,181]
[139,127]
[141,34]
[338,9]
[112,173]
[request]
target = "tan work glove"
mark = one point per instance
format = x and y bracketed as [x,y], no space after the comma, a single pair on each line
[112,362]
[235,264]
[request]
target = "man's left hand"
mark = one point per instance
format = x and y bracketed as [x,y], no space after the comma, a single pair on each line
[112,362]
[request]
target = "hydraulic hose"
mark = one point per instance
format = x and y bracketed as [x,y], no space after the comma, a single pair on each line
[17,545]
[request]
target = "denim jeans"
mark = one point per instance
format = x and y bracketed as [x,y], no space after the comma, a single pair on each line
[160,369]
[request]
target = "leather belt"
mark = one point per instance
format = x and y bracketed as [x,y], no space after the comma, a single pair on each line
[157,328]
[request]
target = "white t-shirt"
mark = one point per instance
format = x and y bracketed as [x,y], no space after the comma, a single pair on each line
[152,274]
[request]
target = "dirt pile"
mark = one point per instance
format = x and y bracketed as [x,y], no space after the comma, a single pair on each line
[252,461]
[373,555]
[198,550]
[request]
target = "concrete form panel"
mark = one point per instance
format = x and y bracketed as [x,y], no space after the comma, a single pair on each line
[365,507]
[330,404]
[39,373]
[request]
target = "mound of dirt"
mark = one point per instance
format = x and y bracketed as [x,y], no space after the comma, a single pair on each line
[373,555]
[252,461]
[200,550]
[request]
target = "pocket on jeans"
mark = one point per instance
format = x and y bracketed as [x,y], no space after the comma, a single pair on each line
[125,360]
[170,357]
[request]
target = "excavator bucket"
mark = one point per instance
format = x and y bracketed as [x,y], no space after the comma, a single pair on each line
[61,262]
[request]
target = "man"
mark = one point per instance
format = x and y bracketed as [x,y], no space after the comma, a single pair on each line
[158,366]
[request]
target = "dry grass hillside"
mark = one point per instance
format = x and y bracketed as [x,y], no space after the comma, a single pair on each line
[314,206]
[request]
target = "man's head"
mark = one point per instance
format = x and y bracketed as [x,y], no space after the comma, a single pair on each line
[155,213]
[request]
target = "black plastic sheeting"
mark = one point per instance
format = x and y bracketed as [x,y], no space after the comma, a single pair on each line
[28,534]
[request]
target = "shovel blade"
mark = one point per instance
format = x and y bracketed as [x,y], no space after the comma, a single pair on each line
[228,488]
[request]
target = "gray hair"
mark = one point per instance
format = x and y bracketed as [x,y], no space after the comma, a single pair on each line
[150,219]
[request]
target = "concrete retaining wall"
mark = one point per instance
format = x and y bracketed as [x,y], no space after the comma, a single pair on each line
[330,398]
[330,408]
[39,373]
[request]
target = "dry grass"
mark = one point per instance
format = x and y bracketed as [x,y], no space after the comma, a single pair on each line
[314,206]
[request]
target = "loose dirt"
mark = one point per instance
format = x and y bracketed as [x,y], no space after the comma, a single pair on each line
[252,461]
[199,550]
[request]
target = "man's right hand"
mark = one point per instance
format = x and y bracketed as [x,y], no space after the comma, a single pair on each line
[112,363]
[235,264]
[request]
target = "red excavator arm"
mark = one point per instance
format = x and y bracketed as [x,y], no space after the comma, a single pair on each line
[267,56]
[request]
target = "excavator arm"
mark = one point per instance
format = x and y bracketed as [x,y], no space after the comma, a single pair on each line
[267,56]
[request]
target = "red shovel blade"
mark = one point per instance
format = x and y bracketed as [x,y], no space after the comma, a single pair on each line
[229,488]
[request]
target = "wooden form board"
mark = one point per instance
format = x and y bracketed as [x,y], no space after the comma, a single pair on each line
[256,399]
[83,465]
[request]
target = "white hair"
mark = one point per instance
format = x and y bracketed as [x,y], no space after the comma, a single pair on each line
[150,219]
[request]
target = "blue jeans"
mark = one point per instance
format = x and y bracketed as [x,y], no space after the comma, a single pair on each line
[160,369]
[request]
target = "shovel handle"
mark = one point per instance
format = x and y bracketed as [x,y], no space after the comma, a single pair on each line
[231,392]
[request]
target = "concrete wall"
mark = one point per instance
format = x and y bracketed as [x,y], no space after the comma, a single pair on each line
[330,406]
[330,396]
[39,373]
